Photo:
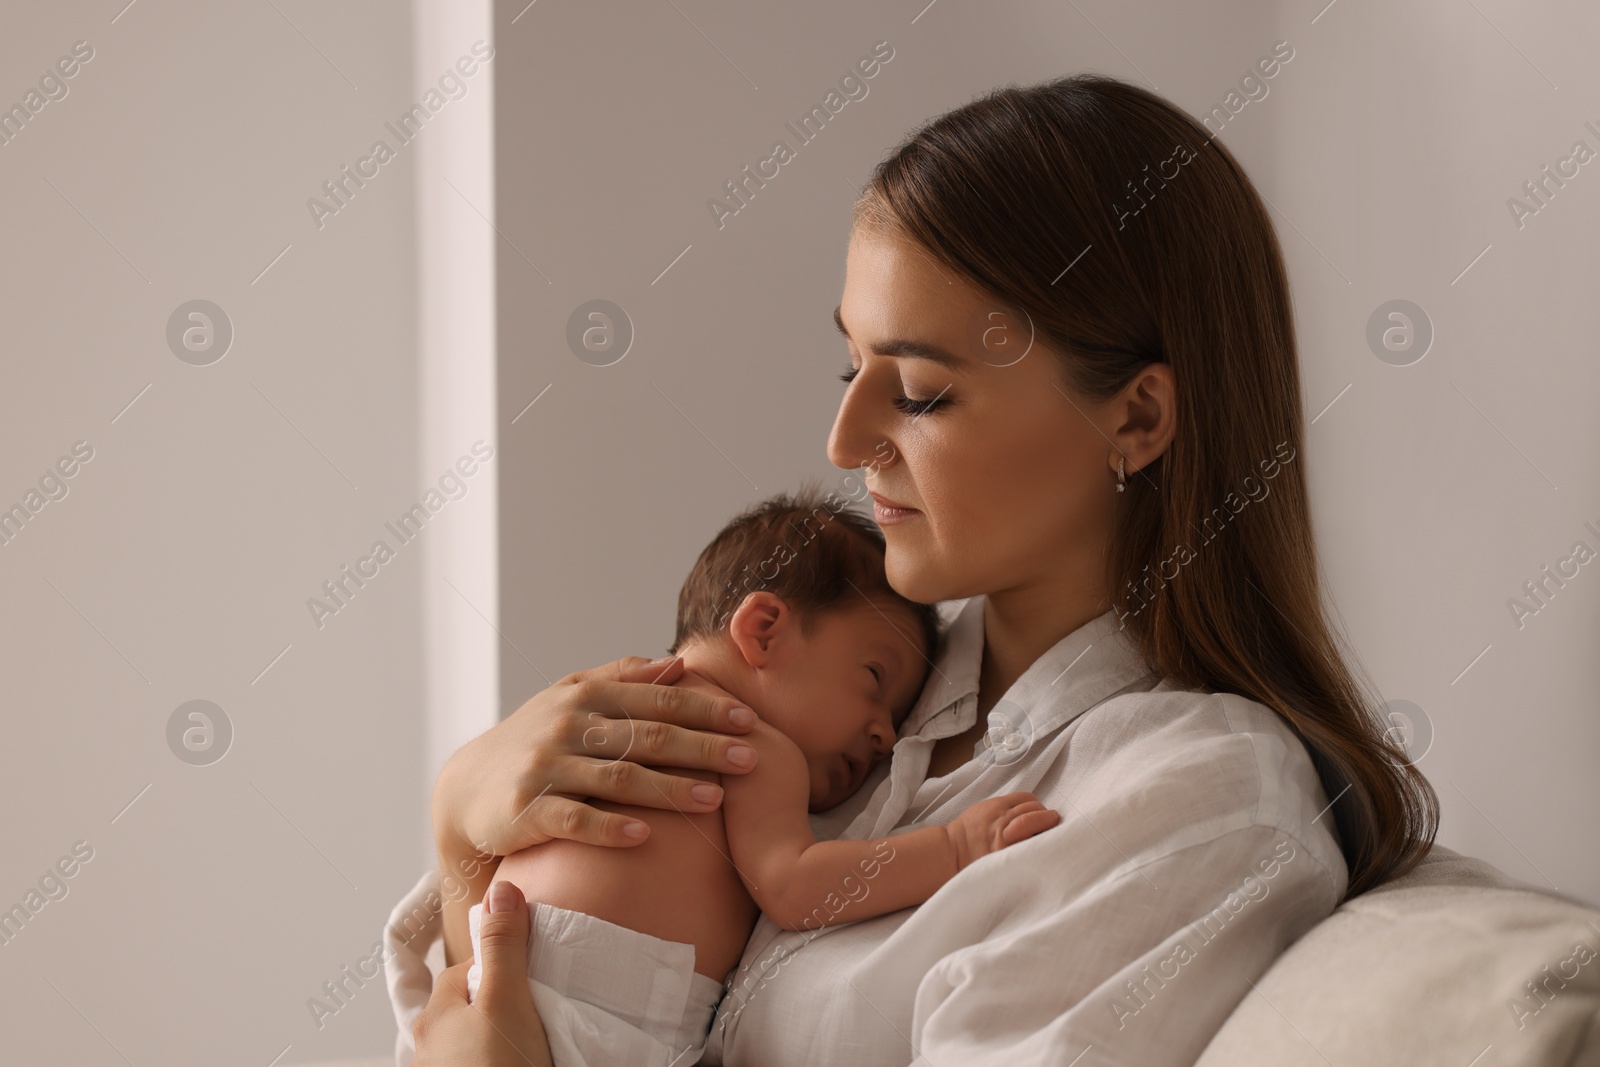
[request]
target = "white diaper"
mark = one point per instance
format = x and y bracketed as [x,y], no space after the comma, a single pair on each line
[610,995]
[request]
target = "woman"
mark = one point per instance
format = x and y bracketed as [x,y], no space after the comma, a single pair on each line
[1075,390]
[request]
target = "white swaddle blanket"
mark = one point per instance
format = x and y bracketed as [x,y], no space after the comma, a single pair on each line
[606,994]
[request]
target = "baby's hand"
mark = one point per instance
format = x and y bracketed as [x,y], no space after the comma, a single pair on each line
[990,825]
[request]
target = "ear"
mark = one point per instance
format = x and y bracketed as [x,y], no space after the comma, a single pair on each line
[1143,418]
[759,625]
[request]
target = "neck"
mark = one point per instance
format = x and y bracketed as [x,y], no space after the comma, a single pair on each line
[1023,623]
[709,664]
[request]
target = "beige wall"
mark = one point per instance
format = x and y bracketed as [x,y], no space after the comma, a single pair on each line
[179,563]
[1442,487]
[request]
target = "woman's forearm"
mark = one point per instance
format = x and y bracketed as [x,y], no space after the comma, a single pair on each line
[464,876]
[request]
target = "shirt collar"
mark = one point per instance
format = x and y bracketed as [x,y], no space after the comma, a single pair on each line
[955,673]
[1079,671]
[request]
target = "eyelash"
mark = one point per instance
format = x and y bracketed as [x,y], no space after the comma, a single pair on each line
[874,671]
[906,405]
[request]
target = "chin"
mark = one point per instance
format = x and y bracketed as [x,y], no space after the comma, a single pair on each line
[914,576]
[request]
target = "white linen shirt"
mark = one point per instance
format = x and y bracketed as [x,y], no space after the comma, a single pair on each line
[1195,845]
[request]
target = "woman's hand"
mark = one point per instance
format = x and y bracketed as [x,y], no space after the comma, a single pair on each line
[500,1028]
[517,784]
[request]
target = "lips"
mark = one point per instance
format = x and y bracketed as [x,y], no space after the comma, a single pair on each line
[839,776]
[885,502]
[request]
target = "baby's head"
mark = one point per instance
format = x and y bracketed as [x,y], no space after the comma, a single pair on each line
[789,609]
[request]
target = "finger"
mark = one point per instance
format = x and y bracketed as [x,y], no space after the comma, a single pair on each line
[662,725]
[503,946]
[1028,824]
[450,987]
[673,704]
[622,781]
[574,820]
[662,671]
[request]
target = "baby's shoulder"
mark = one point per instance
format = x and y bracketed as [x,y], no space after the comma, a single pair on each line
[779,763]
[766,738]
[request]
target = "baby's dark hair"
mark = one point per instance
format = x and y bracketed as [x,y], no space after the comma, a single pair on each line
[809,550]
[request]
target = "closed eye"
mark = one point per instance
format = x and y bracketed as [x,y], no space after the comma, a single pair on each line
[907,405]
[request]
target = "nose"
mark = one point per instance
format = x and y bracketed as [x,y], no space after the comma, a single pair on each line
[881,736]
[855,441]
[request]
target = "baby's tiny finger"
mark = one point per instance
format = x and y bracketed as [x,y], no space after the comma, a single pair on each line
[1027,825]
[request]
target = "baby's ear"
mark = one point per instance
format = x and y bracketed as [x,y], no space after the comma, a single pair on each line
[758,625]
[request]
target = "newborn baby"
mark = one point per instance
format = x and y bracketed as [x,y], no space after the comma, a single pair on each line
[630,947]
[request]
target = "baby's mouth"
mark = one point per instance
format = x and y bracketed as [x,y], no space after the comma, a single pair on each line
[839,775]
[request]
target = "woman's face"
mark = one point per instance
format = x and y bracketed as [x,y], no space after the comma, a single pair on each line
[1011,478]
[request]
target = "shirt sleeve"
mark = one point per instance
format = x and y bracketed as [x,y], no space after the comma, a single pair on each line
[1128,933]
[414,927]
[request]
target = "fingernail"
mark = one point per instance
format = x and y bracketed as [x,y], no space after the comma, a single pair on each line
[636,830]
[502,897]
[662,662]
[741,716]
[742,756]
[705,793]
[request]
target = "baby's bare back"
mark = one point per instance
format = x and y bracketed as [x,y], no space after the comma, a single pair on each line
[680,885]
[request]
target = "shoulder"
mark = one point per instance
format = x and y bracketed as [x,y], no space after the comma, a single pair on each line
[768,738]
[776,756]
[1191,766]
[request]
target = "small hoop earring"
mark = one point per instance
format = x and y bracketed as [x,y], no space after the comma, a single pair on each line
[1122,479]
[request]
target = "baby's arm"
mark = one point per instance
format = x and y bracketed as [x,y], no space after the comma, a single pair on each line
[802,883]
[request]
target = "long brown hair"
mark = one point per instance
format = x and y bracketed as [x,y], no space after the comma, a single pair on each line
[1129,236]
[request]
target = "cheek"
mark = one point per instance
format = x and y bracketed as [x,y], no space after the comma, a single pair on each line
[1003,496]
[997,486]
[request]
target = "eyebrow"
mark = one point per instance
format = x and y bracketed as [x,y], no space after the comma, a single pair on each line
[910,349]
